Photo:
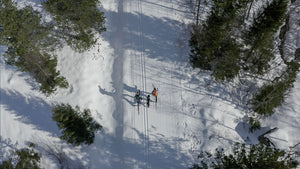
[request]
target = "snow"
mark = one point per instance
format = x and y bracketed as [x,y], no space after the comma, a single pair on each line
[145,45]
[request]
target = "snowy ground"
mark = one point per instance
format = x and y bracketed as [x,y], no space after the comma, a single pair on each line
[145,45]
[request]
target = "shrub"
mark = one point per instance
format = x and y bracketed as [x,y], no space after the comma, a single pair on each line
[77,127]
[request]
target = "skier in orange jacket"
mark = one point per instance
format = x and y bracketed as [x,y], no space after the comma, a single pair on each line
[154,92]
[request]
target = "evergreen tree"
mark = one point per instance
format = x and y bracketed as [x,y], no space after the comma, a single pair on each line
[7,164]
[28,43]
[260,36]
[269,97]
[26,158]
[254,123]
[252,157]
[77,127]
[272,95]
[77,21]
[213,46]
[297,55]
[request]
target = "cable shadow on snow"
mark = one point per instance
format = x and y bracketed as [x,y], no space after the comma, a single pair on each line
[29,110]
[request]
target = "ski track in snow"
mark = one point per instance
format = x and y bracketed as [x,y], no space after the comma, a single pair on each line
[148,69]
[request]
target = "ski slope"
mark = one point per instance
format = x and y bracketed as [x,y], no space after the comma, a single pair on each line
[145,46]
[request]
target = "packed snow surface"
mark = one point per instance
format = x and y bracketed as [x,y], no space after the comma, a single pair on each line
[145,46]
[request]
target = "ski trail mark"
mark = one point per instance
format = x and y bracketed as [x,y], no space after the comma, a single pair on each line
[143,82]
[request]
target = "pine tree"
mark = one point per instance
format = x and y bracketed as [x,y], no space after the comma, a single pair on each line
[25,158]
[213,47]
[77,21]
[260,36]
[273,94]
[254,123]
[29,43]
[77,127]
[244,157]
[7,164]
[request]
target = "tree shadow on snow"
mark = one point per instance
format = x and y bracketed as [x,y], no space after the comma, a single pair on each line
[159,152]
[142,33]
[243,129]
[17,72]
[29,110]
[6,148]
